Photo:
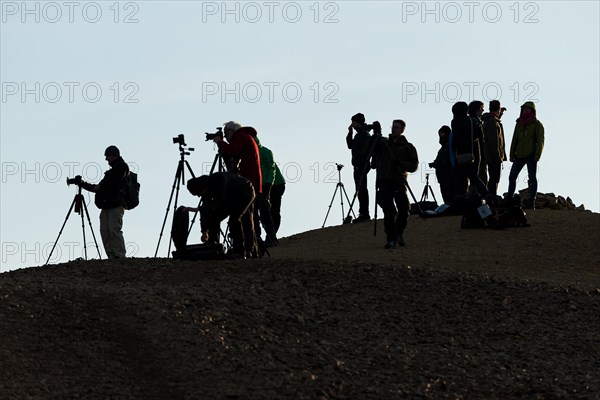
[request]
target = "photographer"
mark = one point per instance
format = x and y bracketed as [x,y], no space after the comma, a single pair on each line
[393,157]
[226,194]
[241,148]
[359,145]
[444,171]
[110,200]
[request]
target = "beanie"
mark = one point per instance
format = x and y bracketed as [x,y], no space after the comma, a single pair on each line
[112,151]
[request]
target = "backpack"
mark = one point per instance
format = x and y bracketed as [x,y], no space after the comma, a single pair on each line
[131,191]
[191,252]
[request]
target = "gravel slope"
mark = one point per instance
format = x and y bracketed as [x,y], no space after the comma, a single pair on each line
[312,328]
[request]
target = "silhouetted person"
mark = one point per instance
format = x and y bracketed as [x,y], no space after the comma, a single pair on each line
[225,194]
[394,157]
[277,191]
[110,200]
[359,146]
[526,149]
[263,203]
[466,142]
[475,113]
[494,148]
[444,171]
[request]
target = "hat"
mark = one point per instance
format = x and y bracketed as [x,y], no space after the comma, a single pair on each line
[529,104]
[112,151]
[360,118]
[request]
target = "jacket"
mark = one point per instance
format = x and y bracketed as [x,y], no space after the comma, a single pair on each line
[359,145]
[225,190]
[527,140]
[493,132]
[279,179]
[394,159]
[109,192]
[442,163]
[267,164]
[242,147]
[463,142]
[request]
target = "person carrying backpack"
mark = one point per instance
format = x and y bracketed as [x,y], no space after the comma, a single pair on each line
[109,199]
[394,157]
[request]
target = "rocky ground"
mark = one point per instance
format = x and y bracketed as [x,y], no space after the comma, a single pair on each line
[485,314]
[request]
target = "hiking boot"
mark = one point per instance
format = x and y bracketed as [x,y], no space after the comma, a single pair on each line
[361,218]
[271,242]
[390,245]
[401,241]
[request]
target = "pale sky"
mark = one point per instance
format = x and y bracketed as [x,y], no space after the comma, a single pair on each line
[80,76]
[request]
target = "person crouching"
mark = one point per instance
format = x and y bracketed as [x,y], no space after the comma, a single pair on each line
[225,194]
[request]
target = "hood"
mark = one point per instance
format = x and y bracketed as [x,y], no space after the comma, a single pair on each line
[256,140]
[461,108]
[487,116]
[249,130]
[529,104]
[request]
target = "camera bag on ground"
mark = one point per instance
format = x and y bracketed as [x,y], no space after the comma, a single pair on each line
[192,252]
[425,206]
[471,213]
[508,214]
[131,190]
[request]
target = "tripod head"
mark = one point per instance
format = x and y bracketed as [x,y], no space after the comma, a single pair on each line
[339,166]
[183,151]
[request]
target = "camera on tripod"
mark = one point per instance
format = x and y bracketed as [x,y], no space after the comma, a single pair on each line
[179,139]
[74,181]
[212,136]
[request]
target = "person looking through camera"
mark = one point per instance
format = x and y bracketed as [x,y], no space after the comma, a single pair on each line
[109,199]
[359,145]
[444,170]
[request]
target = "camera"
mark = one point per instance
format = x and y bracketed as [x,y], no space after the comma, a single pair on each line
[212,136]
[180,139]
[376,127]
[74,181]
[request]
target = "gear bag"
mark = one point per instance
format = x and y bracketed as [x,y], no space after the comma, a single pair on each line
[193,252]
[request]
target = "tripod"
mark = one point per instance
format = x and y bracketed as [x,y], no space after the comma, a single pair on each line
[427,189]
[340,187]
[179,177]
[78,201]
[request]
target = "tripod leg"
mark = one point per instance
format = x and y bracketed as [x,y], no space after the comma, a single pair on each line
[91,229]
[348,200]
[424,194]
[375,217]
[414,198]
[330,203]
[83,229]
[432,194]
[175,183]
[61,230]
[342,199]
